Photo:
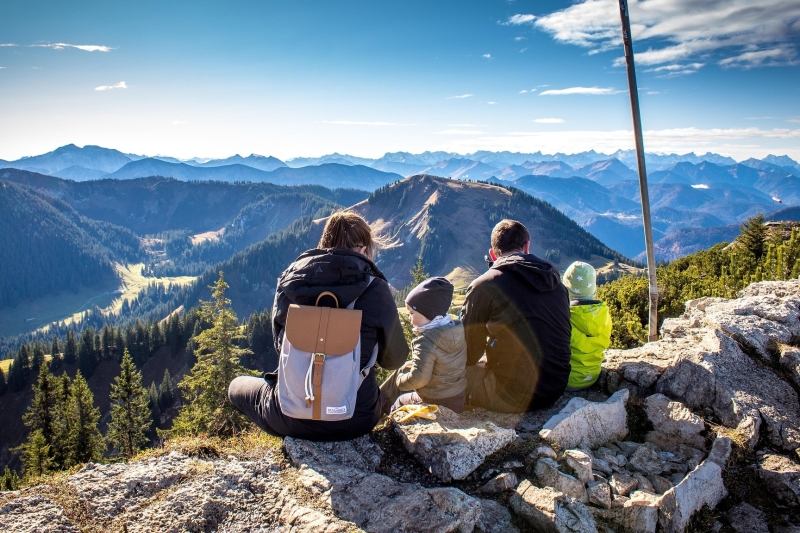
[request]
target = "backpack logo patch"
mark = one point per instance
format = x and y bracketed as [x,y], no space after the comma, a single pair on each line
[336,410]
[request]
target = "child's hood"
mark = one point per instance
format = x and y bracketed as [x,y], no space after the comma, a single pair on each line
[448,338]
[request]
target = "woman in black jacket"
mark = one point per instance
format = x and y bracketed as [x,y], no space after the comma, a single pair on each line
[342,264]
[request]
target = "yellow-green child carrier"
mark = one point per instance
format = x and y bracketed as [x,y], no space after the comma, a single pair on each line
[591,334]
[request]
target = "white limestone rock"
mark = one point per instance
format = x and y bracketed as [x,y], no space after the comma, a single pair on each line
[581,464]
[34,514]
[703,486]
[588,424]
[549,475]
[673,423]
[551,511]
[452,447]
[494,518]
[622,484]
[599,493]
[500,483]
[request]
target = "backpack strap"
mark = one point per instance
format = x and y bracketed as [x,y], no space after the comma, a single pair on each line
[374,357]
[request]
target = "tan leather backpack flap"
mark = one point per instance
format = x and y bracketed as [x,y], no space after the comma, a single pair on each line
[323,329]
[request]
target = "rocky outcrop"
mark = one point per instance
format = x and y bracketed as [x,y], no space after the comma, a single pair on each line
[585,423]
[452,446]
[724,356]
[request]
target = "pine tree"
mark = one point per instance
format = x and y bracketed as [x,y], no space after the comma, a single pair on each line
[37,359]
[18,372]
[55,354]
[166,396]
[119,343]
[418,273]
[61,425]
[39,416]
[71,348]
[84,441]
[130,414]
[152,398]
[36,455]
[9,480]
[3,386]
[86,360]
[753,233]
[205,389]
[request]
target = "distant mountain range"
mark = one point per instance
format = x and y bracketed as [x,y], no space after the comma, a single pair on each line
[599,191]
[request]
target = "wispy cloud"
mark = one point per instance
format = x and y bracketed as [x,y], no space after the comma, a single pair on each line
[676,69]
[364,123]
[519,19]
[459,132]
[460,96]
[120,85]
[519,38]
[8,44]
[492,103]
[462,125]
[597,91]
[84,47]
[746,34]
[523,91]
[487,56]
[549,120]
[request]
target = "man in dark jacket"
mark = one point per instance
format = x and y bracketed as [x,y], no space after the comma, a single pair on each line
[517,314]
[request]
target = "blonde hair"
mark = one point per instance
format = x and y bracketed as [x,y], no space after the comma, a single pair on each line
[346,229]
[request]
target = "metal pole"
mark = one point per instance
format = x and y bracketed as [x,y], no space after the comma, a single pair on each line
[637,133]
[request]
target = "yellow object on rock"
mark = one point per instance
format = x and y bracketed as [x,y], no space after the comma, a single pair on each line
[428,412]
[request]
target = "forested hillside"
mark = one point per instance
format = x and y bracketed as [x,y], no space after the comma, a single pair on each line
[762,252]
[446,222]
[47,247]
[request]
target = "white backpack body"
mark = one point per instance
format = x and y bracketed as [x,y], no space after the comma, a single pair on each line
[319,369]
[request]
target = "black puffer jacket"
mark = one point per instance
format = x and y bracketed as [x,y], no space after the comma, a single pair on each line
[345,273]
[522,308]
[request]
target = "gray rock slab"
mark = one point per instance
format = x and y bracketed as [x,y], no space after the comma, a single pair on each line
[599,493]
[622,484]
[703,486]
[581,464]
[782,478]
[500,483]
[452,446]
[494,518]
[551,511]
[588,424]
[673,423]
[646,460]
[744,518]
[548,474]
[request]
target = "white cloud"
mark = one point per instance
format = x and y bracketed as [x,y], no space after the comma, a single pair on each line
[487,56]
[460,96]
[120,85]
[783,55]
[520,38]
[84,47]
[524,49]
[579,90]
[8,44]
[459,132]
[549,120]
[747,34]
[363,123]
[700,186]
[2,67]
[462,125]
[793,120]
[676,69]
[492,103]
[523,91]
[519,19]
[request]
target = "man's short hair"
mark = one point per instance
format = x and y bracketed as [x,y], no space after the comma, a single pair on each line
[509,236]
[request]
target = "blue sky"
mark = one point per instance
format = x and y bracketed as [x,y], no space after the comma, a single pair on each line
[304,78]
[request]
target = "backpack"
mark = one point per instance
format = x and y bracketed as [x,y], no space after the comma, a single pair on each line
[319,370]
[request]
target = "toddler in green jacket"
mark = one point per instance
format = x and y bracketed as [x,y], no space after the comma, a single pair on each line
[591,325]
[436,373]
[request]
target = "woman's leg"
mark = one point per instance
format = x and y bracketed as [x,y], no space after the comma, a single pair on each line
[250,395]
